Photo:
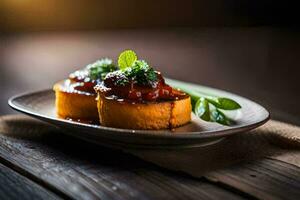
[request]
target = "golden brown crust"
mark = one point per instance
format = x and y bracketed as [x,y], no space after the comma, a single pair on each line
[152,115]
[75,105]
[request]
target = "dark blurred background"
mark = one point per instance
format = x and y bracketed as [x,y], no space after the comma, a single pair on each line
[251,48]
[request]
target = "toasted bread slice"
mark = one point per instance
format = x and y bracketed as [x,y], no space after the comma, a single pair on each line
[150,115]
[74,105]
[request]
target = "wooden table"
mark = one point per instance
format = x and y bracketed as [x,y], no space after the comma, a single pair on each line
[54,166]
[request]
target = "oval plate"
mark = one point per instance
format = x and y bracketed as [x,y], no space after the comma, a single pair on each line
[198,133]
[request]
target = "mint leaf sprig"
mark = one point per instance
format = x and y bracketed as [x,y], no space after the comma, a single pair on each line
[208,107]
[127,59]
[136,70]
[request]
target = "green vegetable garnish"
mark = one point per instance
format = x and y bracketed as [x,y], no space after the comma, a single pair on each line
[142,73]
[137,71]
[201,109]
[208,107]
[100,68]
[224,103]
[126,59]
[219,117]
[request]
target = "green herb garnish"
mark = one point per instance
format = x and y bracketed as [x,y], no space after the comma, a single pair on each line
[137,71]
[126,59]
[100,68]
[141,73]
[208,107]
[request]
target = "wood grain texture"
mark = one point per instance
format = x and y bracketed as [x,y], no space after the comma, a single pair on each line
[264,179]
[84,171]
[15,186]
[242,161]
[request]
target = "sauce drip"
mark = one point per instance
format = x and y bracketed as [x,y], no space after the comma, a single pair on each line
[172,118]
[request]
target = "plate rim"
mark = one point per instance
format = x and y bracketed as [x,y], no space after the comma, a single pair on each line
[144,133]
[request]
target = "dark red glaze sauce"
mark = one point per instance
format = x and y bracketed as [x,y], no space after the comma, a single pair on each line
[80,81]
[134,92]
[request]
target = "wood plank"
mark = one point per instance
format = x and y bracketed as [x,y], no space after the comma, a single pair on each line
[15,186]
[263,179]
[85,171]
